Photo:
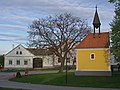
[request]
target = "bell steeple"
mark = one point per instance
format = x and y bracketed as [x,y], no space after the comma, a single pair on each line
[96,22]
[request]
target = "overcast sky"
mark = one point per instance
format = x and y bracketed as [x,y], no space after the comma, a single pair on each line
[17,15]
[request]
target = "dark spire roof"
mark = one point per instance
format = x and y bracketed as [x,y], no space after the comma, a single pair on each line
[96,21]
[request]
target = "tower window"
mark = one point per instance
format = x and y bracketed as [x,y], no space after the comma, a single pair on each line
[92,56]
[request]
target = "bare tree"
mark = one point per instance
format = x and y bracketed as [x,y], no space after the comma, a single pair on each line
[61,33]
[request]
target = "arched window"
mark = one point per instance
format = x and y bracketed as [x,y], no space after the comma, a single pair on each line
[17,52]
[20,52]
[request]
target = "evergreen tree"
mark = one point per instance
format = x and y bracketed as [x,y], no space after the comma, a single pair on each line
[115,27]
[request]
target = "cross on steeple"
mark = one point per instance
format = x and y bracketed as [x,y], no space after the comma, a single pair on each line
[96,22]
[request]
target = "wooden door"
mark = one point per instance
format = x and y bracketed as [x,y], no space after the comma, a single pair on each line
[37,63]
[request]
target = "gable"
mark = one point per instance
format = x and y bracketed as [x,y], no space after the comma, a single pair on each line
[19,51]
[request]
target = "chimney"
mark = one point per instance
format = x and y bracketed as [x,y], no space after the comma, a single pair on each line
[13,46]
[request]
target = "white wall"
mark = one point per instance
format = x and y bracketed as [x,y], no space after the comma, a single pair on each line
[47,60]
[14,62]
[13,56]
[19,48]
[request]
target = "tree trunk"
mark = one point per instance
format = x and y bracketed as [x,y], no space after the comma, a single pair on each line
[53,60]
[62,65]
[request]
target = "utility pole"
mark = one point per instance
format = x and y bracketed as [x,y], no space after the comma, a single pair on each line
[66,71]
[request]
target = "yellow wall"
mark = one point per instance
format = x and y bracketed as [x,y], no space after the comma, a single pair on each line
[85,63]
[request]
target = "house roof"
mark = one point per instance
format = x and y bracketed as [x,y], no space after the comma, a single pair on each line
[90,42]
[15,48]
[39,51]
[34,51]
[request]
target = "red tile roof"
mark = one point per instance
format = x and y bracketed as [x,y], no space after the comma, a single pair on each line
[90,42]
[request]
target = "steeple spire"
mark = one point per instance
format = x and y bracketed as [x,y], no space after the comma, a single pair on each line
[96,22]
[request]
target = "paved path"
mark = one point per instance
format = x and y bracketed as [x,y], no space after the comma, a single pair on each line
[9,84]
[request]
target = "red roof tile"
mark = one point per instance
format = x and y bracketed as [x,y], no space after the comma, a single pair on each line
[90,42]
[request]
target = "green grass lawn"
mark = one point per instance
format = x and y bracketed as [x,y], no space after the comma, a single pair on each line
[75,81]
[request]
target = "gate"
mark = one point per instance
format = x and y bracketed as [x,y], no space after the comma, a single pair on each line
[37,63]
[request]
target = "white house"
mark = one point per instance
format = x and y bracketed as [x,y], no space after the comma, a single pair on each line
[21,57]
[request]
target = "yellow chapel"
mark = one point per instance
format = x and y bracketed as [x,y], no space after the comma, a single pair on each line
[92,53]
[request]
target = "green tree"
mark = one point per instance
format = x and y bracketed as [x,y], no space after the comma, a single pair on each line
[115,27]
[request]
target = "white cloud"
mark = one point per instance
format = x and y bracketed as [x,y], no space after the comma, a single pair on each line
[19,19]
[23,19]
[13,27]
[20,39]
[4,39]
[16,15]
[13,39]
[9,35]
[81,8]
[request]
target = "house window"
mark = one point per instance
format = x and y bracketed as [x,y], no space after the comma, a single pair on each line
[18,62]
[92,56]
[20,52]
[59,61]
[25,62]
[68,60]
[17,52]
[10,62]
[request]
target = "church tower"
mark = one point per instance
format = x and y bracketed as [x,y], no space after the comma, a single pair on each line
[96,22]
